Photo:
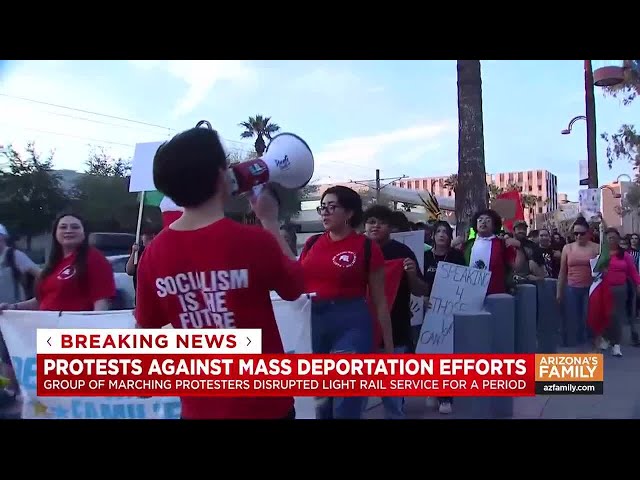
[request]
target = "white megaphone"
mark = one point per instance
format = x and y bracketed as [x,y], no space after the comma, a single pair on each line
[288,161]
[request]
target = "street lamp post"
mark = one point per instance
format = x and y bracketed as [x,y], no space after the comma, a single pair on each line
[607,76]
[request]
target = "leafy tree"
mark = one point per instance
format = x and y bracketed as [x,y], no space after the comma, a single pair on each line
[102,164]
[471,186]
[31,193]
[625,143]
[259,127]
[102,194]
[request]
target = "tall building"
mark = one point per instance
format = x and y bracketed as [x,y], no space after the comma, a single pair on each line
[612,208]
[541,184]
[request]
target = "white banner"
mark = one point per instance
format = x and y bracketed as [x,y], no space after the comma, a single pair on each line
[589,202]
[415,241]
[19,329]
[455,289]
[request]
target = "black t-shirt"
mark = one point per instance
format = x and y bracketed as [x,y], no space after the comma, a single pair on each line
[532,251]
[401,310]
[551,263]
[431,261]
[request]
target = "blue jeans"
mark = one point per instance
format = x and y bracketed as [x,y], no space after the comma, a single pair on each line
[341,326]
[575,330]
[394,406]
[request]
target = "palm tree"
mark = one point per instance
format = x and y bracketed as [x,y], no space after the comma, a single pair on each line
[259,127]
[472,193]
[528,201]
[494,191]
[451,182]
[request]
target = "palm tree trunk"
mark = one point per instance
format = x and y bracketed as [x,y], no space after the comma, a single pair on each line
[471,193]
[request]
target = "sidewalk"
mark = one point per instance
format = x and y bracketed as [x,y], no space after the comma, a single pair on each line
[621,399]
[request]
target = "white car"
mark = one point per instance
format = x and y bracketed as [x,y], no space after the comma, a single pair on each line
[124,283]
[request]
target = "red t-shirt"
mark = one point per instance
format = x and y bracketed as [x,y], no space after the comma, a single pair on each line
[64,290]
[181,270]
[336,269]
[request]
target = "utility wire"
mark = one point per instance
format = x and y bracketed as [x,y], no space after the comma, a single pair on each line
[124,119]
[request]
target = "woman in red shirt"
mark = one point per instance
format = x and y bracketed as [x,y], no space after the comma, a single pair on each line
[76,277]
[339,266]
[621,269]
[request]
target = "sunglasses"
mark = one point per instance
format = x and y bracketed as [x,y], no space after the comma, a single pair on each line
[579,234]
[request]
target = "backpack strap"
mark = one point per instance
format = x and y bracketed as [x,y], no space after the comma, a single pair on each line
[367,255]
[310,243]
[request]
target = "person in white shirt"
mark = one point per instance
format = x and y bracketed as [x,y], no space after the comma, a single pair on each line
[14,266]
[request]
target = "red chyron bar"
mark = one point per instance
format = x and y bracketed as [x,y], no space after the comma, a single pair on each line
[190,375]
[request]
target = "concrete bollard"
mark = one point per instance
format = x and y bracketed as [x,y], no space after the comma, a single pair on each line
[503,330]
[472,334]
[526,318]
[550,317]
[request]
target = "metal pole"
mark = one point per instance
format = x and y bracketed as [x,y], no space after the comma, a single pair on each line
[378,188]
[590,112]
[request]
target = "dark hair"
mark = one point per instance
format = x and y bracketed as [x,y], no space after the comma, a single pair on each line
[497,220]
[400,221]
[187,167]
[520,224]
[534,233]
[442,223]
[581,222]
[619,252]
[348,199]
[421,225]
[380,212]
[56,254]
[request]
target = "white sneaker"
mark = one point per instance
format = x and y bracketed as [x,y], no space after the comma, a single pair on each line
[445,408]
[615,351]
[604,344]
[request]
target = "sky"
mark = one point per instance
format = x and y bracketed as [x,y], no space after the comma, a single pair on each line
[398,116]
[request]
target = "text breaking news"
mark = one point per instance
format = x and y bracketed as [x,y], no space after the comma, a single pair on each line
[569,374]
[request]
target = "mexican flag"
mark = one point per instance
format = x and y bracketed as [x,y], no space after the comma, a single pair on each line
[170,211]
[601,304]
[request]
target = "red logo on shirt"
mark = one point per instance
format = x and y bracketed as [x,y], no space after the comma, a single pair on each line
[344,259]
[67,273]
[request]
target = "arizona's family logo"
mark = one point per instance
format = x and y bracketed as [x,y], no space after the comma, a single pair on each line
[67,273]
[344,259]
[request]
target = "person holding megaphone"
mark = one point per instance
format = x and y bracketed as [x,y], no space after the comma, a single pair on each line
[207,271]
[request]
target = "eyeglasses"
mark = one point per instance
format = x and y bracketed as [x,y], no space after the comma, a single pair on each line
[579,234]
[327,208]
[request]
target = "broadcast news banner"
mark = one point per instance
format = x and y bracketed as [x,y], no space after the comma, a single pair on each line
[169,363]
